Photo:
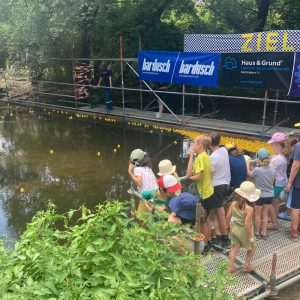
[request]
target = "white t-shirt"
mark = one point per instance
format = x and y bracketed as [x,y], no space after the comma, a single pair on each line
[279,162]
[220,167]
[149,181]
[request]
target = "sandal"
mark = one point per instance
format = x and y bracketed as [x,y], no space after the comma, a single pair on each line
[247,268]
[273,226]
[231,270]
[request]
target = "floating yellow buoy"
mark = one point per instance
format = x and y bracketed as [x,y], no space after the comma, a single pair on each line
[119,146]
[98,153]
[51,151]
[115,150]
[22,190]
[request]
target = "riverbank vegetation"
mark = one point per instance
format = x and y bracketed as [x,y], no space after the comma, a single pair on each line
[103,255]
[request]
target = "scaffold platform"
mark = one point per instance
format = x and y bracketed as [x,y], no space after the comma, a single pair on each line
[189,122]
[255,285]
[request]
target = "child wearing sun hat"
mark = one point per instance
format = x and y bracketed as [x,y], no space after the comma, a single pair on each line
[239,222]
[165,167]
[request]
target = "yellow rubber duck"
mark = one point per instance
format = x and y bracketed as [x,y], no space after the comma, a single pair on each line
[22,190]
[119,146]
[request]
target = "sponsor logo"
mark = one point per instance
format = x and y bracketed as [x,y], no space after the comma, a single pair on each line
[156,66]
[197,69]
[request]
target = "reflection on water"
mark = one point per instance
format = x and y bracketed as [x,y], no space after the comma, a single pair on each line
[73,174]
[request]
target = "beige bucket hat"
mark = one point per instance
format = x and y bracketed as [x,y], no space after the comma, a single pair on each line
[248,191]
[165,167]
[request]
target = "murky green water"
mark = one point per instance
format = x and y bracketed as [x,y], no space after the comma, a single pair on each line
[73,174]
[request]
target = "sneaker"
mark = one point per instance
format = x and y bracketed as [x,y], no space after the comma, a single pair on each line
[226,243]
[217,241]
[294,236]
[207,248]
[263,236]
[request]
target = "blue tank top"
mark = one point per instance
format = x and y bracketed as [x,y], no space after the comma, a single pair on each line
[238,170]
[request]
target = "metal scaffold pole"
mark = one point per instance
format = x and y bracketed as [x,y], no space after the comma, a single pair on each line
[141,84]
[74,83]
[276,109]
[122,74]
[264,113]
[183,103]
[199,103]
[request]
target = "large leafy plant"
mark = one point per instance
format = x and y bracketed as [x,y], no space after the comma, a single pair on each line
[103,255]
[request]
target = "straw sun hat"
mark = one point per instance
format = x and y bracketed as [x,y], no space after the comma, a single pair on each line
[248,191]
[166,168]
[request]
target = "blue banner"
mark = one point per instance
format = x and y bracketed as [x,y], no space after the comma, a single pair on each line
[198,69]
[295,82]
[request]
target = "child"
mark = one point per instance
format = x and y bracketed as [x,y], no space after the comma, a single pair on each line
[264,176]
[239,222]
[200,171]
[279,144]
[140,171]
[183,209]
[168,186]
[165,167]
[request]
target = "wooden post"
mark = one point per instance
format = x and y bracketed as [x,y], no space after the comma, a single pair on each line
[198,228]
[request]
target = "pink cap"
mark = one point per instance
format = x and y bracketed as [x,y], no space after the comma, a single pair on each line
[277,138]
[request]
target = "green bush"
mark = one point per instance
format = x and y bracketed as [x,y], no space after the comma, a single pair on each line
[104,255]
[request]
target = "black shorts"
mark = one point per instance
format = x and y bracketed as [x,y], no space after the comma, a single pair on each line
[187,222]
[219,195]
[263,201]
[207,205]
[293,201]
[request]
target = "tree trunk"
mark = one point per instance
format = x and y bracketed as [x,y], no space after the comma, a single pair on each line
[262,14]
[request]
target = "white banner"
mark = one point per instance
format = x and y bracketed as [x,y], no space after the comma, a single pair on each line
[269,41]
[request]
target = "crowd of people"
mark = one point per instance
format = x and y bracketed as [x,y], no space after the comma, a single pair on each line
[221,172]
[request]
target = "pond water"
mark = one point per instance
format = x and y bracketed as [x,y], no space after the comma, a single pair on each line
[73,174]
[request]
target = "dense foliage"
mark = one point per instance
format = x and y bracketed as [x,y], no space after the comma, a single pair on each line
[104,255]
[52,28]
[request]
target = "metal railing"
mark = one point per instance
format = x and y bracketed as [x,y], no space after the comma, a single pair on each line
[145,88]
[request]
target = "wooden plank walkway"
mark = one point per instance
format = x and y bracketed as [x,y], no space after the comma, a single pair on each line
[189,122]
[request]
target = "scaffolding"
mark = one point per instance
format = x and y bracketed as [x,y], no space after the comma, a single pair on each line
[83,69]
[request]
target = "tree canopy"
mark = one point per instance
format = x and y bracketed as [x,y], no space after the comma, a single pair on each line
[51,28]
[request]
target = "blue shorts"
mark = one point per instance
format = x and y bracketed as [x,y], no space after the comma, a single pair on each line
[293,201]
